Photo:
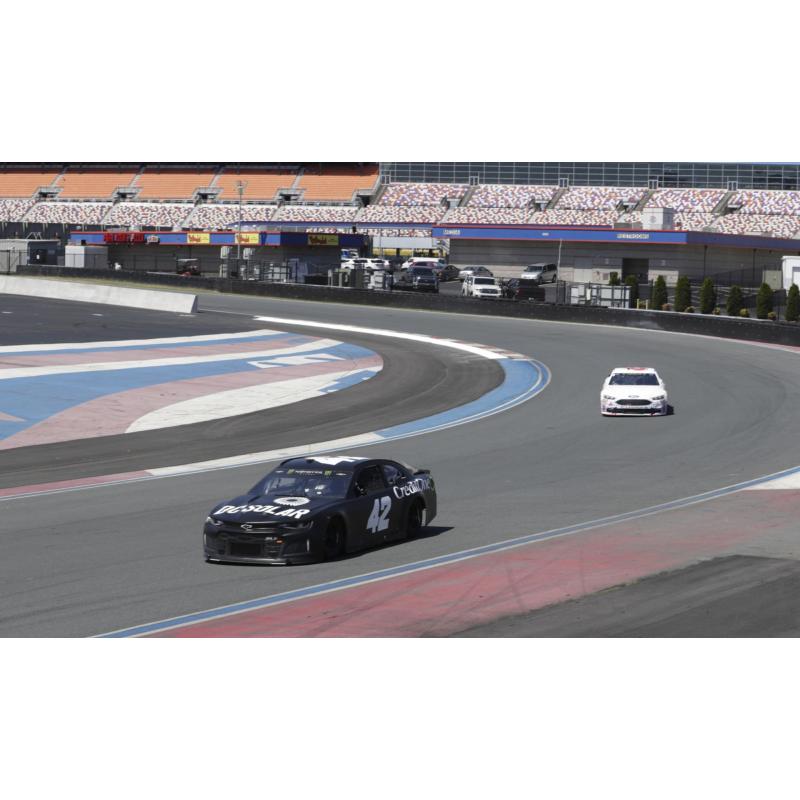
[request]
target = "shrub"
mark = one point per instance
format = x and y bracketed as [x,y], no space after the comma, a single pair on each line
[633,282]
[666,307]
[717,311]
[689,310]
[708,296]
[735,302]
[764,300]
[683,293]
[771,315]
[658,295]
[613,279]
[793,304]
[743,312]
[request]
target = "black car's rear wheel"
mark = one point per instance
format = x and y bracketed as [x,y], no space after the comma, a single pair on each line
[414,520]
[334,540]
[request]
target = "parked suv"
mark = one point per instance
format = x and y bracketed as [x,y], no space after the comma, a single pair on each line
[484,288]
[420,279]
[517,289]
[540,273]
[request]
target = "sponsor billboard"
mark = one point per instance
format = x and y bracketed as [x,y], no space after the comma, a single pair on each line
[198,238]
[324,239]
[248,238]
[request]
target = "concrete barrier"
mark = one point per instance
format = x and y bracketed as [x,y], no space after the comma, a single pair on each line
[151,299]
[786,333]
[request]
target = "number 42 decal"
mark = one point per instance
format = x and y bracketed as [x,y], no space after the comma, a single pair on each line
[379,518]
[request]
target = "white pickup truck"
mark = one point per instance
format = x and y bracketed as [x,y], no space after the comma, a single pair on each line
[481,287]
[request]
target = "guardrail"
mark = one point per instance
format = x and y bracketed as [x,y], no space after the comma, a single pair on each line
[720,326]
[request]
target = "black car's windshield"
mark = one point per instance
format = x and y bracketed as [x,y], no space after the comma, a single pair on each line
[305,483]
[634,379]
[419,272]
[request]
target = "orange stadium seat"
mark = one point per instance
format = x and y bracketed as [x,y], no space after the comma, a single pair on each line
[21,183]
[336,183]
[171,184]
[261,184]
[92,184]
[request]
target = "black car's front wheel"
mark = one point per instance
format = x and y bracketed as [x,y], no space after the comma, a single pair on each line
[414,520]
[334,540]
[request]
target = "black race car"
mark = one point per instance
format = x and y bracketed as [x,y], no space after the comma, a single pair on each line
[318,508]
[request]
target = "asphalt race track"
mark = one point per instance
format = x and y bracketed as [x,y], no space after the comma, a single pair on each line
[96,560]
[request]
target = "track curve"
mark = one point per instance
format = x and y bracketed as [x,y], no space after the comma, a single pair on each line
[545,464]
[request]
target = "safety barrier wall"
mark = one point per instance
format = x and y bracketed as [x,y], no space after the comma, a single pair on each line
[719,326]
[150,299]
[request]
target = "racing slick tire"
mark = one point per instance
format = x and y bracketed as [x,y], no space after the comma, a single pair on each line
[334,544]
[414,520]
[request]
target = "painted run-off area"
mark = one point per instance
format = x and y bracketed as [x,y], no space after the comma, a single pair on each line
[68,391]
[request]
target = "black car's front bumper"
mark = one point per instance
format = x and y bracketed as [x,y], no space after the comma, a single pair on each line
[235,546]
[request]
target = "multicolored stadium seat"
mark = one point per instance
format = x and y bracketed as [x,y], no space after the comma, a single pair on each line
[466,215]
[381,213]
[420,194]
[509,195]
[694,200]
[289,213]
[585,198]
[213,216]
[69,213]
[14,210]
[570,216]
[161,215]
[754,201]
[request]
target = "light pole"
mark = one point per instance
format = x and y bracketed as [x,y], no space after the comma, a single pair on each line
[240,186]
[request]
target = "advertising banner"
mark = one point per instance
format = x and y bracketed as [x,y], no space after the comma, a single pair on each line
[198,238]
[325,239]
[247,238]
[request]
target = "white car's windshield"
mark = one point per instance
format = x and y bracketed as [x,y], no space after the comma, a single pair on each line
[484,281]
[634,379]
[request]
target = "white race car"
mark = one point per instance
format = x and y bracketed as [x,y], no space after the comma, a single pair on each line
[633,390]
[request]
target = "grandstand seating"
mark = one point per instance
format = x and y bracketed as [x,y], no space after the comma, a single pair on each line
[68,213]
[466,215]
[336,183]
[774,224]
[753,201]
[84,195]
[509,195]
[161,215]
[94,184]
[585,198]
[379,213]
[690,221]
[221,216]
[691,200]
[21,183]
[288,213]
[420,194]
[171,184]
[14,210]
[259,184]
[568,216]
